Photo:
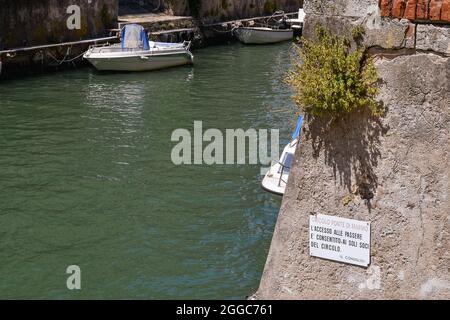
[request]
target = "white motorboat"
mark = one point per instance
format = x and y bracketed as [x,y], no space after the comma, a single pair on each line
[137,53]
[263,35]
[277,177]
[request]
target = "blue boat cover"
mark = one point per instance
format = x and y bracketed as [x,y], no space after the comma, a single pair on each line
[134,37]
[298,128]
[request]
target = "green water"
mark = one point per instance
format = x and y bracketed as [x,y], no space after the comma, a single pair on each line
[86,179]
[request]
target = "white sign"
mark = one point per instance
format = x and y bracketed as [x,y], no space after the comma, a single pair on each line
[339,239]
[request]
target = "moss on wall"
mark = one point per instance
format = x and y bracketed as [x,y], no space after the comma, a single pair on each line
[27,23]
[217,10]
[270,6]
[220,10]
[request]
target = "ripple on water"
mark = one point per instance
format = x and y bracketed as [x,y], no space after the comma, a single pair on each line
[86,179]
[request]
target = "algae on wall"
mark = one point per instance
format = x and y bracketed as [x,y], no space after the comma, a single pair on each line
[221,10]
[27,23]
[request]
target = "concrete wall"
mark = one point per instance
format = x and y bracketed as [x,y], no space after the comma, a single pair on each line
[222,10]
[392,171]
[26,23]
[175,7]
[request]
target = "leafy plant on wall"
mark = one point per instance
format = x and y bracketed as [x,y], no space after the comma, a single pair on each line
[331,80]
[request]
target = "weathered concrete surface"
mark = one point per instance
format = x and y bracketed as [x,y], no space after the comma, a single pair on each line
[218,10]
[386,34]
[343,16]
[178,7]
[433,37]
[394,172]
[341,8]
[209,11]
[171,7]
[27,23]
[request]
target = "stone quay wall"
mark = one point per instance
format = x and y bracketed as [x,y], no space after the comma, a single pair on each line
[393,171]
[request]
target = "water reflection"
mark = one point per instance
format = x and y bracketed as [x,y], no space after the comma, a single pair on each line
[87,177]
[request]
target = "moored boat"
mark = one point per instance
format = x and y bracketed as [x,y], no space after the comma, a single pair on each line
[137,53]
[267,33]
[263,35]
[276,179]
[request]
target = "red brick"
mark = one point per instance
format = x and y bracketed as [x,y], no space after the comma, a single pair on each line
[427,10]
[445,11]
[386,8]
[398,8]
[410,10]
[435,10]
[422,10]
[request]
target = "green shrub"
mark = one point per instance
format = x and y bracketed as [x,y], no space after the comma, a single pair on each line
[330,80]
[358,33]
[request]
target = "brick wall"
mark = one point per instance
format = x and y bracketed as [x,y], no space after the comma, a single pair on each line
[421,10]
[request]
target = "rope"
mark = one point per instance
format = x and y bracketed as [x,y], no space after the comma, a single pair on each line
[77,57]
[65,60]
[224,32]
[266,24]
[159,6]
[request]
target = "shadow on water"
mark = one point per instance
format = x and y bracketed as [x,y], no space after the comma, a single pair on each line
[351,147]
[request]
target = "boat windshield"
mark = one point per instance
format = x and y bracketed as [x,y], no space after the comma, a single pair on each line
[286,161]
[134,37]
[298,128]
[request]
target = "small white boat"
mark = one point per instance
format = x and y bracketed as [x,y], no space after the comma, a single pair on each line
[277,177]
[266,34]
[263,35]
[137,53]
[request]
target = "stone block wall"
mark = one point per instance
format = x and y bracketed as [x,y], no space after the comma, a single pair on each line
[175,7]
[222,10]
[28,23]
[210,11]
[385,33]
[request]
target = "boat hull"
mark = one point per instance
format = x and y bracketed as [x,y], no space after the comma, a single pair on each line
[271,183]
[263,35]
[142,62]
[276,179]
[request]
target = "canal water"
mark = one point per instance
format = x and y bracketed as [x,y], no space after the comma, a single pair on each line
[86,179]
